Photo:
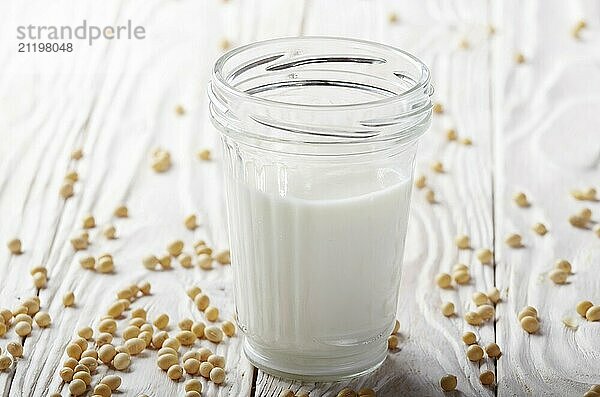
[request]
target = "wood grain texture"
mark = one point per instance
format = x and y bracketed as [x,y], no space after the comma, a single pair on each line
[534,129]
[547,143]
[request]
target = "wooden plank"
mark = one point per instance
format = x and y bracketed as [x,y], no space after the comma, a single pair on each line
[37,131]
[430,343]
[547,143]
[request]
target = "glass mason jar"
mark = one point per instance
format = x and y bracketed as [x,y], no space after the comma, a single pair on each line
[319,139]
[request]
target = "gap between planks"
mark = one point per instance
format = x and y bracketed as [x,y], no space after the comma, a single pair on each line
[492,129]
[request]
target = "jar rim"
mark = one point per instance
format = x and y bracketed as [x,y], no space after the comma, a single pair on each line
[422,83]
[243,78]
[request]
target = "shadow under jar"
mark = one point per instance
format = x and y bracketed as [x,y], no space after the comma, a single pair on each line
[319,139]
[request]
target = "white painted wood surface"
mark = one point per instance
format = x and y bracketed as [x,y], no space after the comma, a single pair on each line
[534,128]
[547,143]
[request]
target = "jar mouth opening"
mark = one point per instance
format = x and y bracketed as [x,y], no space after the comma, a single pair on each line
[320,91]
[223,81]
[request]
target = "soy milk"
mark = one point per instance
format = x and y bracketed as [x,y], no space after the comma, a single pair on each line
[317,262]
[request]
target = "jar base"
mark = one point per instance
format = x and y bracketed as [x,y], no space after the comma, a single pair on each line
[316,369]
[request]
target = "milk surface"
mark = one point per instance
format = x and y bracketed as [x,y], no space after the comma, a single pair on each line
[317,259]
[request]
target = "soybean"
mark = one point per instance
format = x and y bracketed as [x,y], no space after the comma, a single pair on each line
[15,349]
[175,248]
[223,257]
[106,353]
[473,318]
[193,385]
[121,361]
[485,256]
[68,299]
[191,366]
[487,312]
[393,342]
[162,321]
[198,329]
[461,277]
[443,280]
[582,307]
[521,199]
[487,378]
[191,222]
[564,265]
[217,375]
[205,369]
[448,309]
[493,294]
[204,154]
[213,334]
[228,328]
[514,240]
[42,319]
[462,241]
[479,298]
[593,313]
[216,360]
[540,229]
[474,353]
[121,211]
[469,338]
[448,382]
[14,246]
[89,222]
[530,324]
[77,387]
[558,276]
[23,328]
[112,381]
[437,167]
[211,313]
[493,350]
[175,372]
[202,301]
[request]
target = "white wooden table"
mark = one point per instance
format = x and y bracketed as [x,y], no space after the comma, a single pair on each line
[534,128]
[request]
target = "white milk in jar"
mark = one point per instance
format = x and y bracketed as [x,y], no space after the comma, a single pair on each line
[317,270]
[319,140]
